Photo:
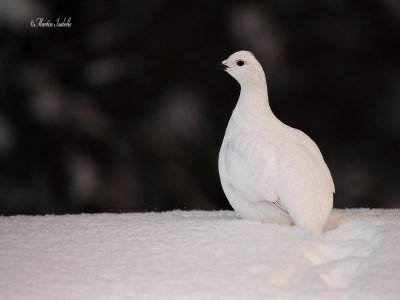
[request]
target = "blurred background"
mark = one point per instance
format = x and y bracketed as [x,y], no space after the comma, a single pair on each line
[125,111]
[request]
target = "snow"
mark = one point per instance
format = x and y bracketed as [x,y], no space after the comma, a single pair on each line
[198,255]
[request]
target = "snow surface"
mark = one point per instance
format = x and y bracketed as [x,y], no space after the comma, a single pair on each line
[198,255]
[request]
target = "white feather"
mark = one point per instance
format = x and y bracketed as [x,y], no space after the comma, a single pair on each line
[270,171]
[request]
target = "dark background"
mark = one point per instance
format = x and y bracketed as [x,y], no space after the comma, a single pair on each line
[124,111]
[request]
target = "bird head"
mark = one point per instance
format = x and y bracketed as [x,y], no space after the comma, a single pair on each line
[244,67]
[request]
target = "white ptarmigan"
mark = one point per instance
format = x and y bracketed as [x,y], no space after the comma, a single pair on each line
[269,171]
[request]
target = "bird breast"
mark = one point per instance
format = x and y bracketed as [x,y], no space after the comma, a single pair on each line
[247,164]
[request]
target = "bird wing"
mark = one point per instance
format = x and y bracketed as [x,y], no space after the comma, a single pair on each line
[307,142]
[303,186]
[276,206]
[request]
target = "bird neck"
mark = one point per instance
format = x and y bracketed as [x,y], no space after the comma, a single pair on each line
[253,102]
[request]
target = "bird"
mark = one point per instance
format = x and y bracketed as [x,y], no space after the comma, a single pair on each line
[269,171]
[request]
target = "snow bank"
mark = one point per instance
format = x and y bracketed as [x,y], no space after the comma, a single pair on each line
[198,255]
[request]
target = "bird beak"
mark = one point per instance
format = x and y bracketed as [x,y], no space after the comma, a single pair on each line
[222,67]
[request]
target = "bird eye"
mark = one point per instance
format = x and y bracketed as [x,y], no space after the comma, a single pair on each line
[240,63]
